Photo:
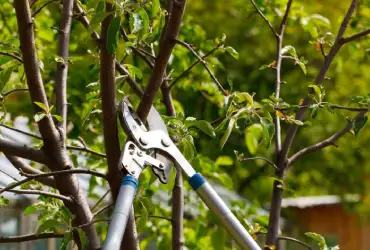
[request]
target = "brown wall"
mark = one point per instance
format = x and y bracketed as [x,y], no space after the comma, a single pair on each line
[334,220]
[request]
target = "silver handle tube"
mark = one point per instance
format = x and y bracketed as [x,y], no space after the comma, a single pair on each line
[214,202]
[121,213]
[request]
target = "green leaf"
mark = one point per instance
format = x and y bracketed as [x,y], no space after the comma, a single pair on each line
[204,126]
[318,238]
[113,35]
[244,97]
[59,118]
[252,135]
[30,210]
[359,124]
[5,76]
[39,116]
[66,239]
[268,128]
[3,201]
[47,225]
[41,105]
[314,112]
[232,52]
[227,132]
[289,49]
[83,238]
[145,20]
[218,238]
[147,203]
[224,178]
[231,84]
[59,59]
[143,218]
[135,71]
[303,67]
[317,91]
[156,7]
[224,161]
[97,19]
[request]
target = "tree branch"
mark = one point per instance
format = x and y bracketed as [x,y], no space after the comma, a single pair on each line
[43,6]
[260,158]
[23,151]
[12,55]
[88,150]
[21,131]
[292,239]
[169,40]
[273,226]
[62,67]
[204,63]
[30,237]
[22,167]
[264,18]
[37,192]
[292,130]
[355,36]
[102,209]
[12,91]
[31,177]
[328,142]
[156,217]
[194,64]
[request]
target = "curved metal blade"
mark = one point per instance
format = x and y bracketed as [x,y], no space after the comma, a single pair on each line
[155,122]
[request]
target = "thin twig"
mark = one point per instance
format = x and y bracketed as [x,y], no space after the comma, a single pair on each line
[21,131]
[88,150]
[12,91]
[355,36]
[260,158]
[328,142]
[194,64]
[291,239]
[156,217]
[204,63]
[100,200]
[31,177]
[12,55]
[102,209]
[93,222]
[29,237]
[37,192]
[264,18]
[43,6]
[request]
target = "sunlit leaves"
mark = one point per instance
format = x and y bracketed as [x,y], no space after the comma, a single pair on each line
[313,23]
[3,201]
[5,76]
[232,52]
[113,35]
[320,240]
[290,50]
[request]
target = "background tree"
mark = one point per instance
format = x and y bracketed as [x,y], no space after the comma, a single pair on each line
[296,57]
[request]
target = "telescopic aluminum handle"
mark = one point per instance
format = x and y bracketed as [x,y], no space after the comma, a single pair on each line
[121,213]
[214,202]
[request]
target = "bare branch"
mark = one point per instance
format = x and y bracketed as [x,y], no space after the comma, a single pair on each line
[169,40]
[43,6]
[204,63]
[23,151]
[12,91]
[355,36]
[62,67]
[30,237]
[31,177]
[194,64]
[21,131]
[264,18]
[12,55]
[328,142]
[285,18]
[37,192]
[100,200]
[102,209]
[22,167]
[156,217]
[260,158]
[293,240]
[88,150]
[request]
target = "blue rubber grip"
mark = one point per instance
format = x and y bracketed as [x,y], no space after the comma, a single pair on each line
[130,180]
[196,181]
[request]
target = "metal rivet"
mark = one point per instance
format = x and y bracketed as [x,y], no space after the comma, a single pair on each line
[132,152]
[132,172]
[161,166]
[144,141]
[166,142]
[140,153]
